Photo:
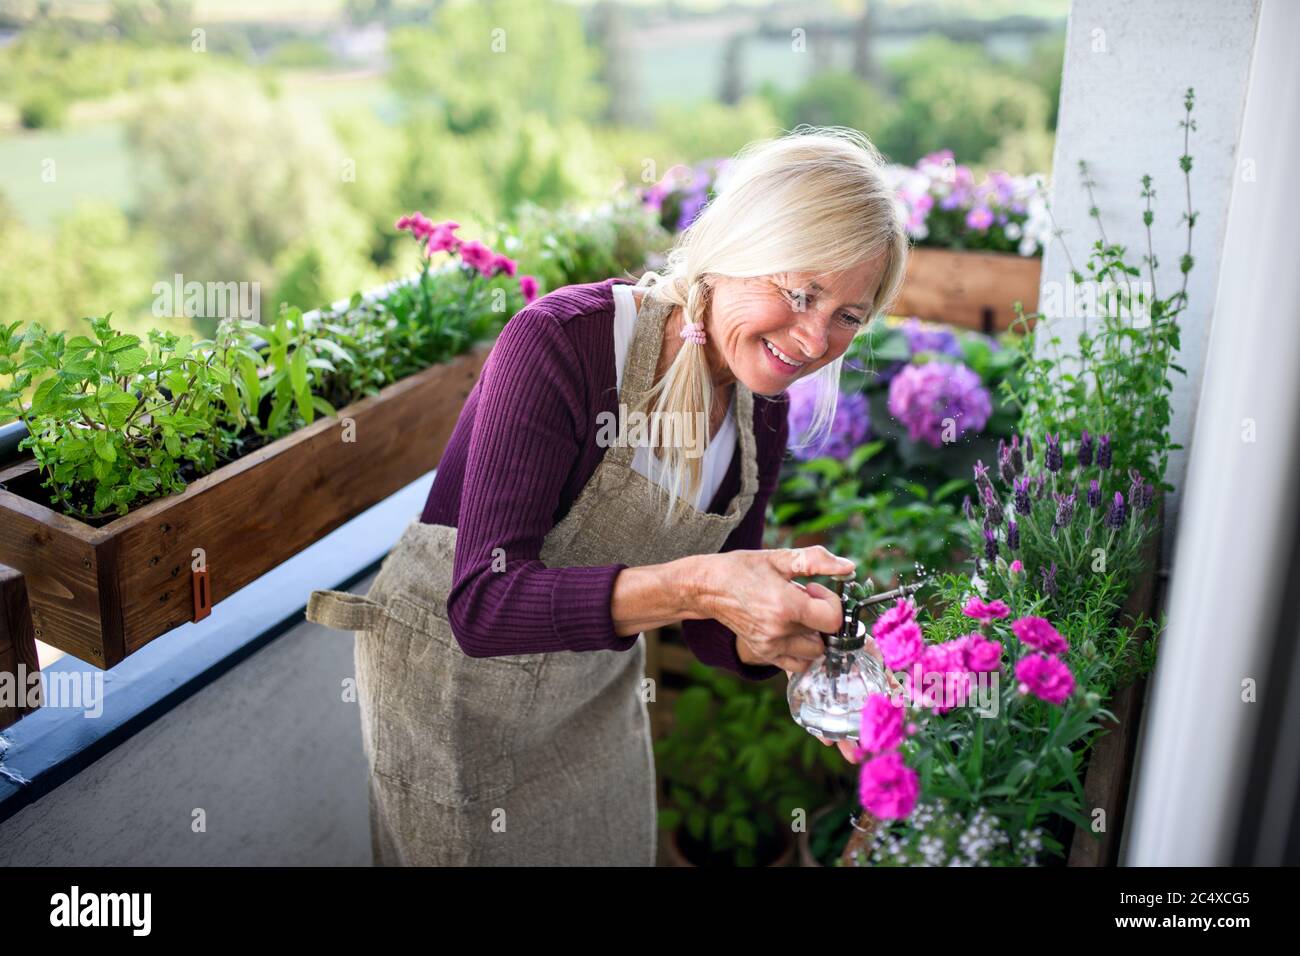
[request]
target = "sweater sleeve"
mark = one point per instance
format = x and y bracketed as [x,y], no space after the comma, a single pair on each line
[710,641]
[527,432]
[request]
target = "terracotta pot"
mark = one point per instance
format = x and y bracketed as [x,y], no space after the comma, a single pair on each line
[679,858]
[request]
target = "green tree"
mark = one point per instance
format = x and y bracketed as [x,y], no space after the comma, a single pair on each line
[483,64]
[232,179]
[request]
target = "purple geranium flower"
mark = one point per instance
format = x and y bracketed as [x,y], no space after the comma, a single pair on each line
[924,397]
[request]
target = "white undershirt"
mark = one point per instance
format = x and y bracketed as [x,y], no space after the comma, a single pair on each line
[718,454]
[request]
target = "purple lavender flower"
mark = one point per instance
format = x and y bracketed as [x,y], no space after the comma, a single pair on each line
[1005,471]
[1085,449]
[1049,580]
[1115,517]
[1040,487]
[1017,459]
[1029,449]
[1021,488]
[992,508]
[1064,510]
[849,428]
[1094,494]
[1013,535]
[990,544]
[1103,452]
[923,397]
[1052,457]
[981,472]
[967,508]
[1146,497]
[1134,486]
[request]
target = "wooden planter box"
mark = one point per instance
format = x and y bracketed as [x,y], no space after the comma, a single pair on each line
[974,290]
[101,593]
[17,642]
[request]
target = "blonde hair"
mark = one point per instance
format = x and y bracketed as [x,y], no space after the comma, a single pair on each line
[811,200]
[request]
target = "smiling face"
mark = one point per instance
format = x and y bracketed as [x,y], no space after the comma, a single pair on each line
[771,330]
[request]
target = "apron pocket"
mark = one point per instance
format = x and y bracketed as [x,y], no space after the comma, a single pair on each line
[445,722]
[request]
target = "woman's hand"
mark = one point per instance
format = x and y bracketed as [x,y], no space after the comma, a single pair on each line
[776,620]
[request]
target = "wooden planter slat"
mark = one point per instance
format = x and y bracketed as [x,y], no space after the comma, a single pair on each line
[17,641]
[103,593]
[973,290]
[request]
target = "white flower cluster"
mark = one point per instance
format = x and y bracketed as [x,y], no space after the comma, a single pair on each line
[936,836]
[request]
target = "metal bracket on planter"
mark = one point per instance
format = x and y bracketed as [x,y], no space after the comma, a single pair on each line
[202,596]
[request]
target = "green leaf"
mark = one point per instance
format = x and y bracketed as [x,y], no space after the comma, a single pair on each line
[302,398]
[298,370]
[104,447]
[117,405]
[120,343]
[129,361]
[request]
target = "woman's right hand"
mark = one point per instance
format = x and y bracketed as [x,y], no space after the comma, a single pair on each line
[775,619]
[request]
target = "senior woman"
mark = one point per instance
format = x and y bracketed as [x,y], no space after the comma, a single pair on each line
[499,654]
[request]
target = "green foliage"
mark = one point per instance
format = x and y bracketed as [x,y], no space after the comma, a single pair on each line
[270,179]
[112,424]
[893,501]
[954,96]
[485,64]
[735,767]
[706,130]
[42,108]
[113,420]
[836,98]
[572,244]
[93,256]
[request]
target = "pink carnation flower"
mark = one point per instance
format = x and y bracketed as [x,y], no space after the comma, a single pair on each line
[1038,632]
[887,787]
[1047,678]
[882,725]
[901,646]
[441,238]
[479,256]
[528,286]
[985,613]
[979,654]
[940,680]
[502,264]
[902,612]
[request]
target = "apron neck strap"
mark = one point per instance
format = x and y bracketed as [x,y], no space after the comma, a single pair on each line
[638,377]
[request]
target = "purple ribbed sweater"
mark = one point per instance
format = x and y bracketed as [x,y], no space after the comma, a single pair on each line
[522,450]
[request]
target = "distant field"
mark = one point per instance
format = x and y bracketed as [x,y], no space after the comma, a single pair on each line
[91,160]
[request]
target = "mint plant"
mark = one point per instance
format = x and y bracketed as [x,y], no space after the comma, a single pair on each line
[113,420]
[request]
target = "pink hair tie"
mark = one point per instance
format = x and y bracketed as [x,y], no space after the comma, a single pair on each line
[694,332]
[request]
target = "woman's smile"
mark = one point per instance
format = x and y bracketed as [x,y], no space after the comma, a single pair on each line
[780,361]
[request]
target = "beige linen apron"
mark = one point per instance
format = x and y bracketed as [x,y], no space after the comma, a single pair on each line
[529,759]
